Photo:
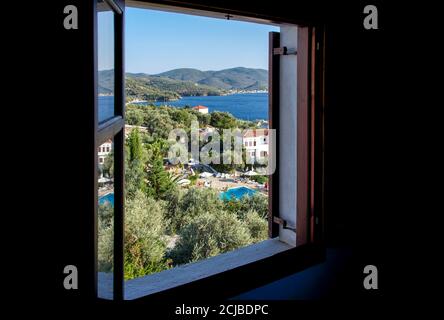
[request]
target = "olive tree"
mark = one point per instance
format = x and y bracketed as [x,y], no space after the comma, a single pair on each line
[196,202]
[257,226]
[144,236]
[208,235]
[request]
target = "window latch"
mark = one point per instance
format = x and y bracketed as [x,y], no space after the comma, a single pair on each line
[284,51]
[284,224]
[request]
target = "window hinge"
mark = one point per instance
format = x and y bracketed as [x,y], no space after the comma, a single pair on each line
[284,51]
[284,224]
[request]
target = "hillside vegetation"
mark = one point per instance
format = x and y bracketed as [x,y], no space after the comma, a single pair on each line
[177,83]
[229,79]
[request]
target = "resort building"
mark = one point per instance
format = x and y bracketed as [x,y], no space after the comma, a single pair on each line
[256,142]
[104,150]
[201,109]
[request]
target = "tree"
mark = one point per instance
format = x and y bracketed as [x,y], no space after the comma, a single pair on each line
[105,214]
[173,199]
[203,118]
[208,235]
[158,180]
[134,164]
[257,202]
[231,166]
[105,248]
[196,202]
[135,146]
[257,226]
[259,179]
[159,122]
[134,178]
[134,116]
[108,165]
[182,117]
[222,120]
[105,237]
[144,233]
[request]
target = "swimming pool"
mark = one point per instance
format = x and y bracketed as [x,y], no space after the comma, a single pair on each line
[107,198]
[236,193]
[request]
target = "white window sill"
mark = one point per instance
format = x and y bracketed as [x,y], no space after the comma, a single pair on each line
[181,275]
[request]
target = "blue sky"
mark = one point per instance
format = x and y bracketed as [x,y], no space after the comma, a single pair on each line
[160,41]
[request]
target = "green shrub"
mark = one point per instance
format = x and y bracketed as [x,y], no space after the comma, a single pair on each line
[144,233]
[208,235]
[193,179]
[257,202]
[259,179]
[173,199]
[105,247]
[105,214]
[194,203]
[257,226]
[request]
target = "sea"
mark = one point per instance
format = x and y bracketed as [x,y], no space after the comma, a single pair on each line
[106,108]
[245,106]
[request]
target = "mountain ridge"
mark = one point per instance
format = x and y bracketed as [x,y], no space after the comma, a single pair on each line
[237,78]
[175,83]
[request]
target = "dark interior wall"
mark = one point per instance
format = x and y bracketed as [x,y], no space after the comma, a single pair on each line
[70,115]
[326,280]
[359,150]
[357,184]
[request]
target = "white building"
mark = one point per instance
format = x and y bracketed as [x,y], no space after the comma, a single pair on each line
[104,150]
[256,143]
[201,109]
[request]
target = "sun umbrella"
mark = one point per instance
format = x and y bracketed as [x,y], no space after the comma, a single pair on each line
[103,180]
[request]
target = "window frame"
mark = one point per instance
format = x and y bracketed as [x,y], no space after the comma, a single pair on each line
[111,129]
[310,163]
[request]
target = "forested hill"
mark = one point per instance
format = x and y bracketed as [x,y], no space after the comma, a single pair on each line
[235,78]
[172,85]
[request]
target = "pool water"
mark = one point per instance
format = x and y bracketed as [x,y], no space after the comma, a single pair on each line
[236,193]
[107,198]
[232,193]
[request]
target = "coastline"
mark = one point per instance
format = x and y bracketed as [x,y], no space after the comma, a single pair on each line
[234,103]
[246,92]
[137,101]
[220,95]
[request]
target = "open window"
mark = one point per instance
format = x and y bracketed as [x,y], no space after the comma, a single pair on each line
[108,148]
[294,189]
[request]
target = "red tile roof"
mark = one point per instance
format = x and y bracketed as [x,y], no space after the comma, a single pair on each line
[255,133]
[200,107]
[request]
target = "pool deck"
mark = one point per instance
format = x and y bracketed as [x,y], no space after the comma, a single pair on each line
[223,184]
[104,191]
